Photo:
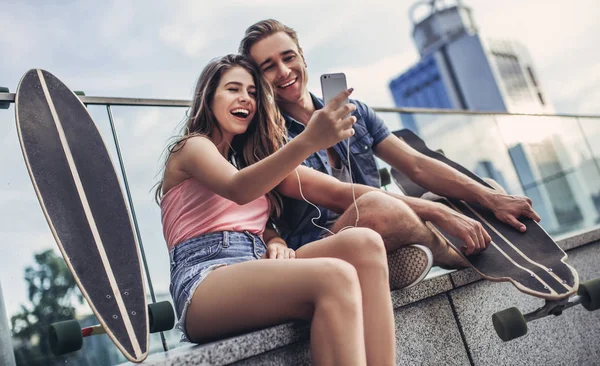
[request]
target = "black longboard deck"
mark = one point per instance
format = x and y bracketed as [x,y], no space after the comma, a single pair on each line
[532,261]
[81,197]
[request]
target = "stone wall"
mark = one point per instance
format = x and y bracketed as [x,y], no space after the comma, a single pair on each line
[445,320]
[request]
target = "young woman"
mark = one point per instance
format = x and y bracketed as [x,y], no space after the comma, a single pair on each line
[216,197]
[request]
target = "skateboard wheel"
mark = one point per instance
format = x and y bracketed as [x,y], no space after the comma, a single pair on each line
[65,337]
[509,324]
[161,315]
[590,294]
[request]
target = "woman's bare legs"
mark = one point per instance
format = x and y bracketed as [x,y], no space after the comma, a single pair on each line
[257,294]
[365,250]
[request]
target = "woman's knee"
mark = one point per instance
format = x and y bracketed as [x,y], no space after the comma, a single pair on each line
[337,285]
[364,248]
[339,274]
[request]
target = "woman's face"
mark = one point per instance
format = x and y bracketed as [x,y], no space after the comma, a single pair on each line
[234,103]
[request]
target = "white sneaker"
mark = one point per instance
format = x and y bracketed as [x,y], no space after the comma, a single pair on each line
[409,265]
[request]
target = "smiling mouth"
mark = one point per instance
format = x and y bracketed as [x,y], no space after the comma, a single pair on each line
[288,84]
[240,113]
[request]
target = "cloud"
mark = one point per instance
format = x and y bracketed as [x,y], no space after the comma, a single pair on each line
[581,90]
[334,23]
[118,20]
[178,36]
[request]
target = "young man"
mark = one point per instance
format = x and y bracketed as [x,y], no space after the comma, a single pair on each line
[275,48]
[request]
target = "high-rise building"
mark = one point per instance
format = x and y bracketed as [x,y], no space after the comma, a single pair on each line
[460,69]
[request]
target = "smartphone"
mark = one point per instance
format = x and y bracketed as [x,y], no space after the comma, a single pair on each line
[332,85]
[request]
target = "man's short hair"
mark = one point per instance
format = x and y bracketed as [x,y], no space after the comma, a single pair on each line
[261,30]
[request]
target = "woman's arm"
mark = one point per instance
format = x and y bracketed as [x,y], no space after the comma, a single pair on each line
[200,158]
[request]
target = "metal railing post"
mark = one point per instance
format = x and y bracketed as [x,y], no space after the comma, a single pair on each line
[133,216]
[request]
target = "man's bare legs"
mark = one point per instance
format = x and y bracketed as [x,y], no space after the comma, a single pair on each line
[372,272]
[399,226]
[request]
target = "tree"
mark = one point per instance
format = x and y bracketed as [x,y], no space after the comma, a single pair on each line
[52,292]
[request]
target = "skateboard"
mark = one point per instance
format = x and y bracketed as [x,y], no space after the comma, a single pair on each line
[82,200]
[531,261]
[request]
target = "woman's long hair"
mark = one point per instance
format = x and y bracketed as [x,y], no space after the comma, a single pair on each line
[265,134]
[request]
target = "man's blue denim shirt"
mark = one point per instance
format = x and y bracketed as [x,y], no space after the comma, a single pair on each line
[295,223]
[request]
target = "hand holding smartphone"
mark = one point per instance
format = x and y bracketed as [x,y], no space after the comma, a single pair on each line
[332,85]
[334,123]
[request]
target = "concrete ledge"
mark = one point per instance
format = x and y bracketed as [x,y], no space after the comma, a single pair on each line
[428,288]
[425,309]
[570,339]
[578,239]
[233,349]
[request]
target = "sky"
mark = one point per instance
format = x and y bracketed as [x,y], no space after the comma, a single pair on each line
[157,49]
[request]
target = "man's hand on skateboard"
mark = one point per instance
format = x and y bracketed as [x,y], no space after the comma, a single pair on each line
[471,232]
[508,209]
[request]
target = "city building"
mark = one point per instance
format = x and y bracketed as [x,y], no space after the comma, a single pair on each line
[460,69]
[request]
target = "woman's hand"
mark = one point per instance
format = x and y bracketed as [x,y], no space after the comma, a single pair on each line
[278,250]
[331,124]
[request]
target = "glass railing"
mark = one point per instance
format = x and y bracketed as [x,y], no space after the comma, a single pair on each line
[552,159]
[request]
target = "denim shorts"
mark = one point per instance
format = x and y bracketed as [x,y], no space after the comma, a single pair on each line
[194,259]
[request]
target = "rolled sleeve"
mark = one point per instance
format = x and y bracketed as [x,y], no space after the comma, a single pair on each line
[375,125]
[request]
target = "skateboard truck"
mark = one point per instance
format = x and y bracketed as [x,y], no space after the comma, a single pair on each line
[67,336]
[511,323]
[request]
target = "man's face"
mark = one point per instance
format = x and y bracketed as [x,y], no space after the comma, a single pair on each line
[282,65]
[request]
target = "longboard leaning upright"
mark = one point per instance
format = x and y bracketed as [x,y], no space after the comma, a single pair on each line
[82,200]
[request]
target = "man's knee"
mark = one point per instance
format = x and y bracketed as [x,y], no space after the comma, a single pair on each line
[378,211]
[373,200]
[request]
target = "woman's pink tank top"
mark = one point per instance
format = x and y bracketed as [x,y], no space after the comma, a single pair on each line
[190,209]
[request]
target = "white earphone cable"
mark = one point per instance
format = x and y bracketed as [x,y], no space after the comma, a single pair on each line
[315,206]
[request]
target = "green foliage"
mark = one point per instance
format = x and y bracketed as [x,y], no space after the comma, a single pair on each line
[52,292]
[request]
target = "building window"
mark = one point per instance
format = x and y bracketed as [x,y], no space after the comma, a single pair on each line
[532,76]
[512,76]
[541,98]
